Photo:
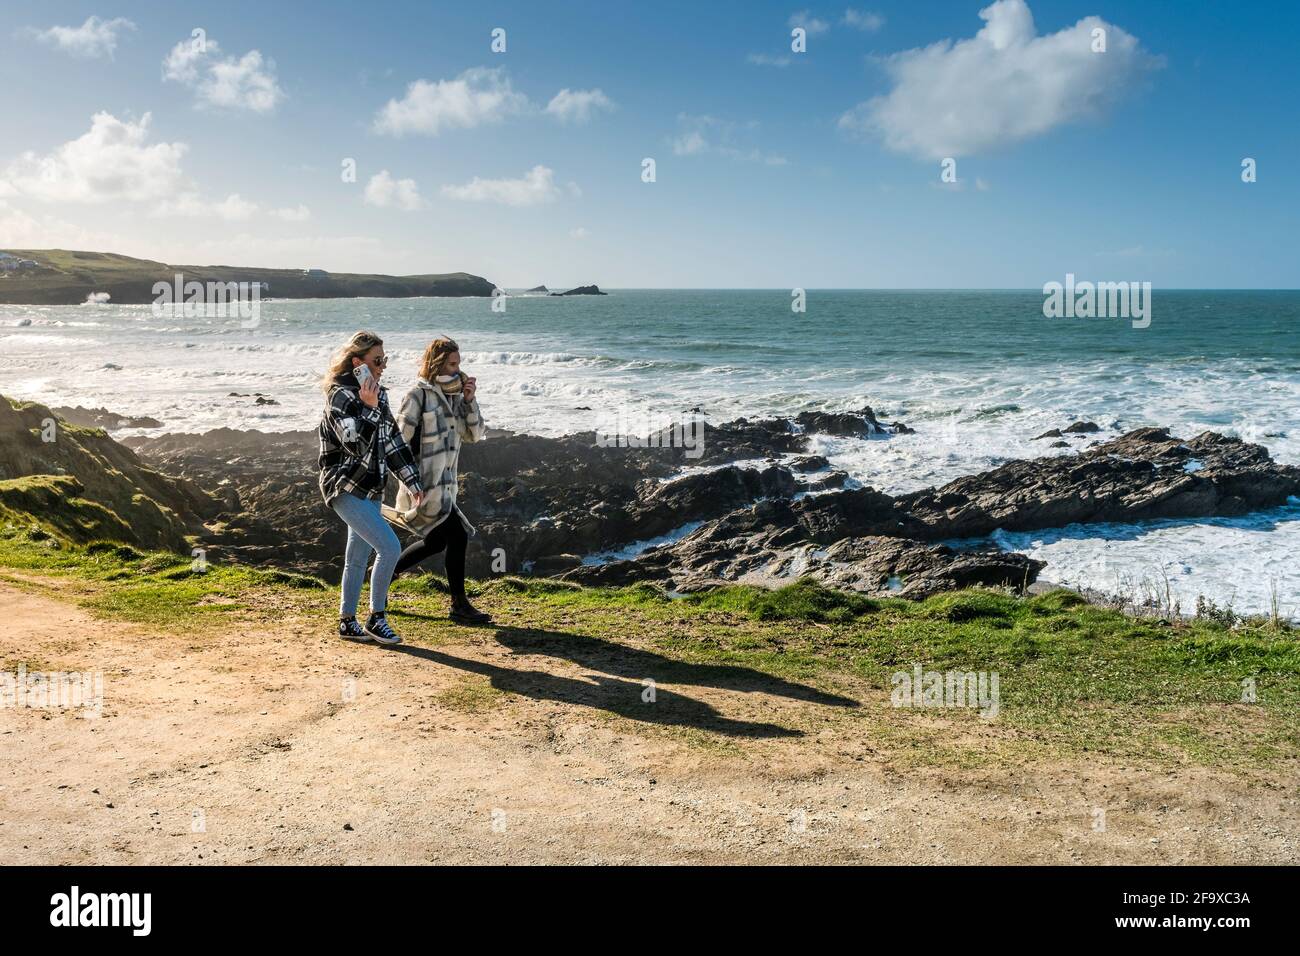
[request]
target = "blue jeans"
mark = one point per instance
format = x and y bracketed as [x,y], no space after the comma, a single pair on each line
[367,532]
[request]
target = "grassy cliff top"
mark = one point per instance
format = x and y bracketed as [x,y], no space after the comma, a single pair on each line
[67,277]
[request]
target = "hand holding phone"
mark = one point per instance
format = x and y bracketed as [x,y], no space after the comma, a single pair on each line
[369,385]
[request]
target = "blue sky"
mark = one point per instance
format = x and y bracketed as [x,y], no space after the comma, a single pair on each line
[774,169]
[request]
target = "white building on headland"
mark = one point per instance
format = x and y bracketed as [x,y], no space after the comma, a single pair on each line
[10,262]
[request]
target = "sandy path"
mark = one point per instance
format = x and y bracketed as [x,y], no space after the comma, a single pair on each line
[298,747]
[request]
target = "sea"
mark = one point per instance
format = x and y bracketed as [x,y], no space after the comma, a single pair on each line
[978,374]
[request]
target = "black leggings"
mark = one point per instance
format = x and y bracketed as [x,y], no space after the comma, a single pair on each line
[450,535]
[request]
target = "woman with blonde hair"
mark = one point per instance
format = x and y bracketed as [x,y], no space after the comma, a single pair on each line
[359,442]
[437,415]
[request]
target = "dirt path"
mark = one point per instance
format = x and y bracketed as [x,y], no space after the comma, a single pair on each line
[294,747]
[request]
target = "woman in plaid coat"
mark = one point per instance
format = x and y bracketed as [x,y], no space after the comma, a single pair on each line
[438,415]
[359,443]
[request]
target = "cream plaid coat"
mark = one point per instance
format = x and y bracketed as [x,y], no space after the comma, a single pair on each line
[443,422]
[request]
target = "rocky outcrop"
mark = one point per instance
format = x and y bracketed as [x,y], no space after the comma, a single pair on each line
[774,541]
[269,509]
[1144,474]
[103,418]
[583,290]
[735,511]
[541,501]
[870,541]
[1078,428]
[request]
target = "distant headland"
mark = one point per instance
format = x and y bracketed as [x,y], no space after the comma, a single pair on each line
[63,277]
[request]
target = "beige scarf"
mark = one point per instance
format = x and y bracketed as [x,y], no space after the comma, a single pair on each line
[450,384]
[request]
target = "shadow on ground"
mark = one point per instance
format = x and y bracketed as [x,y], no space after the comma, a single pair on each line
[620,690]
[623,661]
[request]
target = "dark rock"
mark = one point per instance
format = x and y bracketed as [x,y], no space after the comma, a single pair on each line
[1082,428]
[1059,444]
[1141,475]
[103,418]
[828,481]
[540,288]
[866,540]
[807,463]
[861,424]
[554,564]
[582,290]
[1054,433]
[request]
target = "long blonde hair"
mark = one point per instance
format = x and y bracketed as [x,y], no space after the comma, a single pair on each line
[435,355]
[357,347]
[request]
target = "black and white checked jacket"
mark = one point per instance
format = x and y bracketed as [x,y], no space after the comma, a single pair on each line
[359,443]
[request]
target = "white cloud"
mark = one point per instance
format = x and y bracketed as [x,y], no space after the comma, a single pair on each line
[384,191]
[19,230]
[183,62]
[764,59]
[1001,86]
[234,208]
[708,134]
[113,160]
[812,25]
[536,186]
[236,83]
[478,96]
[94,38]
[690,143]
[577,106]
[579,233]
[300,213]
[863,20]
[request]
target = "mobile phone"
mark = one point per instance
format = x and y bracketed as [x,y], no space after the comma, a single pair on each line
[362,373]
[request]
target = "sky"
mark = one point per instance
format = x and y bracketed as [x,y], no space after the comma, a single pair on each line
[941,144]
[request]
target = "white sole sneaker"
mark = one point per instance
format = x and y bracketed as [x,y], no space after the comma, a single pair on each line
[380,638]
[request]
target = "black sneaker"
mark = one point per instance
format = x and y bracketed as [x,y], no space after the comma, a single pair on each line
[377,627]
[351,630]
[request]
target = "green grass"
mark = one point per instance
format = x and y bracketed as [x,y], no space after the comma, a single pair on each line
[155,588]
[474,695]
[1074,678]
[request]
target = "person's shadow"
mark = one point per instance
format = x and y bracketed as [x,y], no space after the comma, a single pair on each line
[626,698]
[614,658]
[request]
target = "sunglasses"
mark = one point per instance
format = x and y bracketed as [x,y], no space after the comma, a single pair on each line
[380,362]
